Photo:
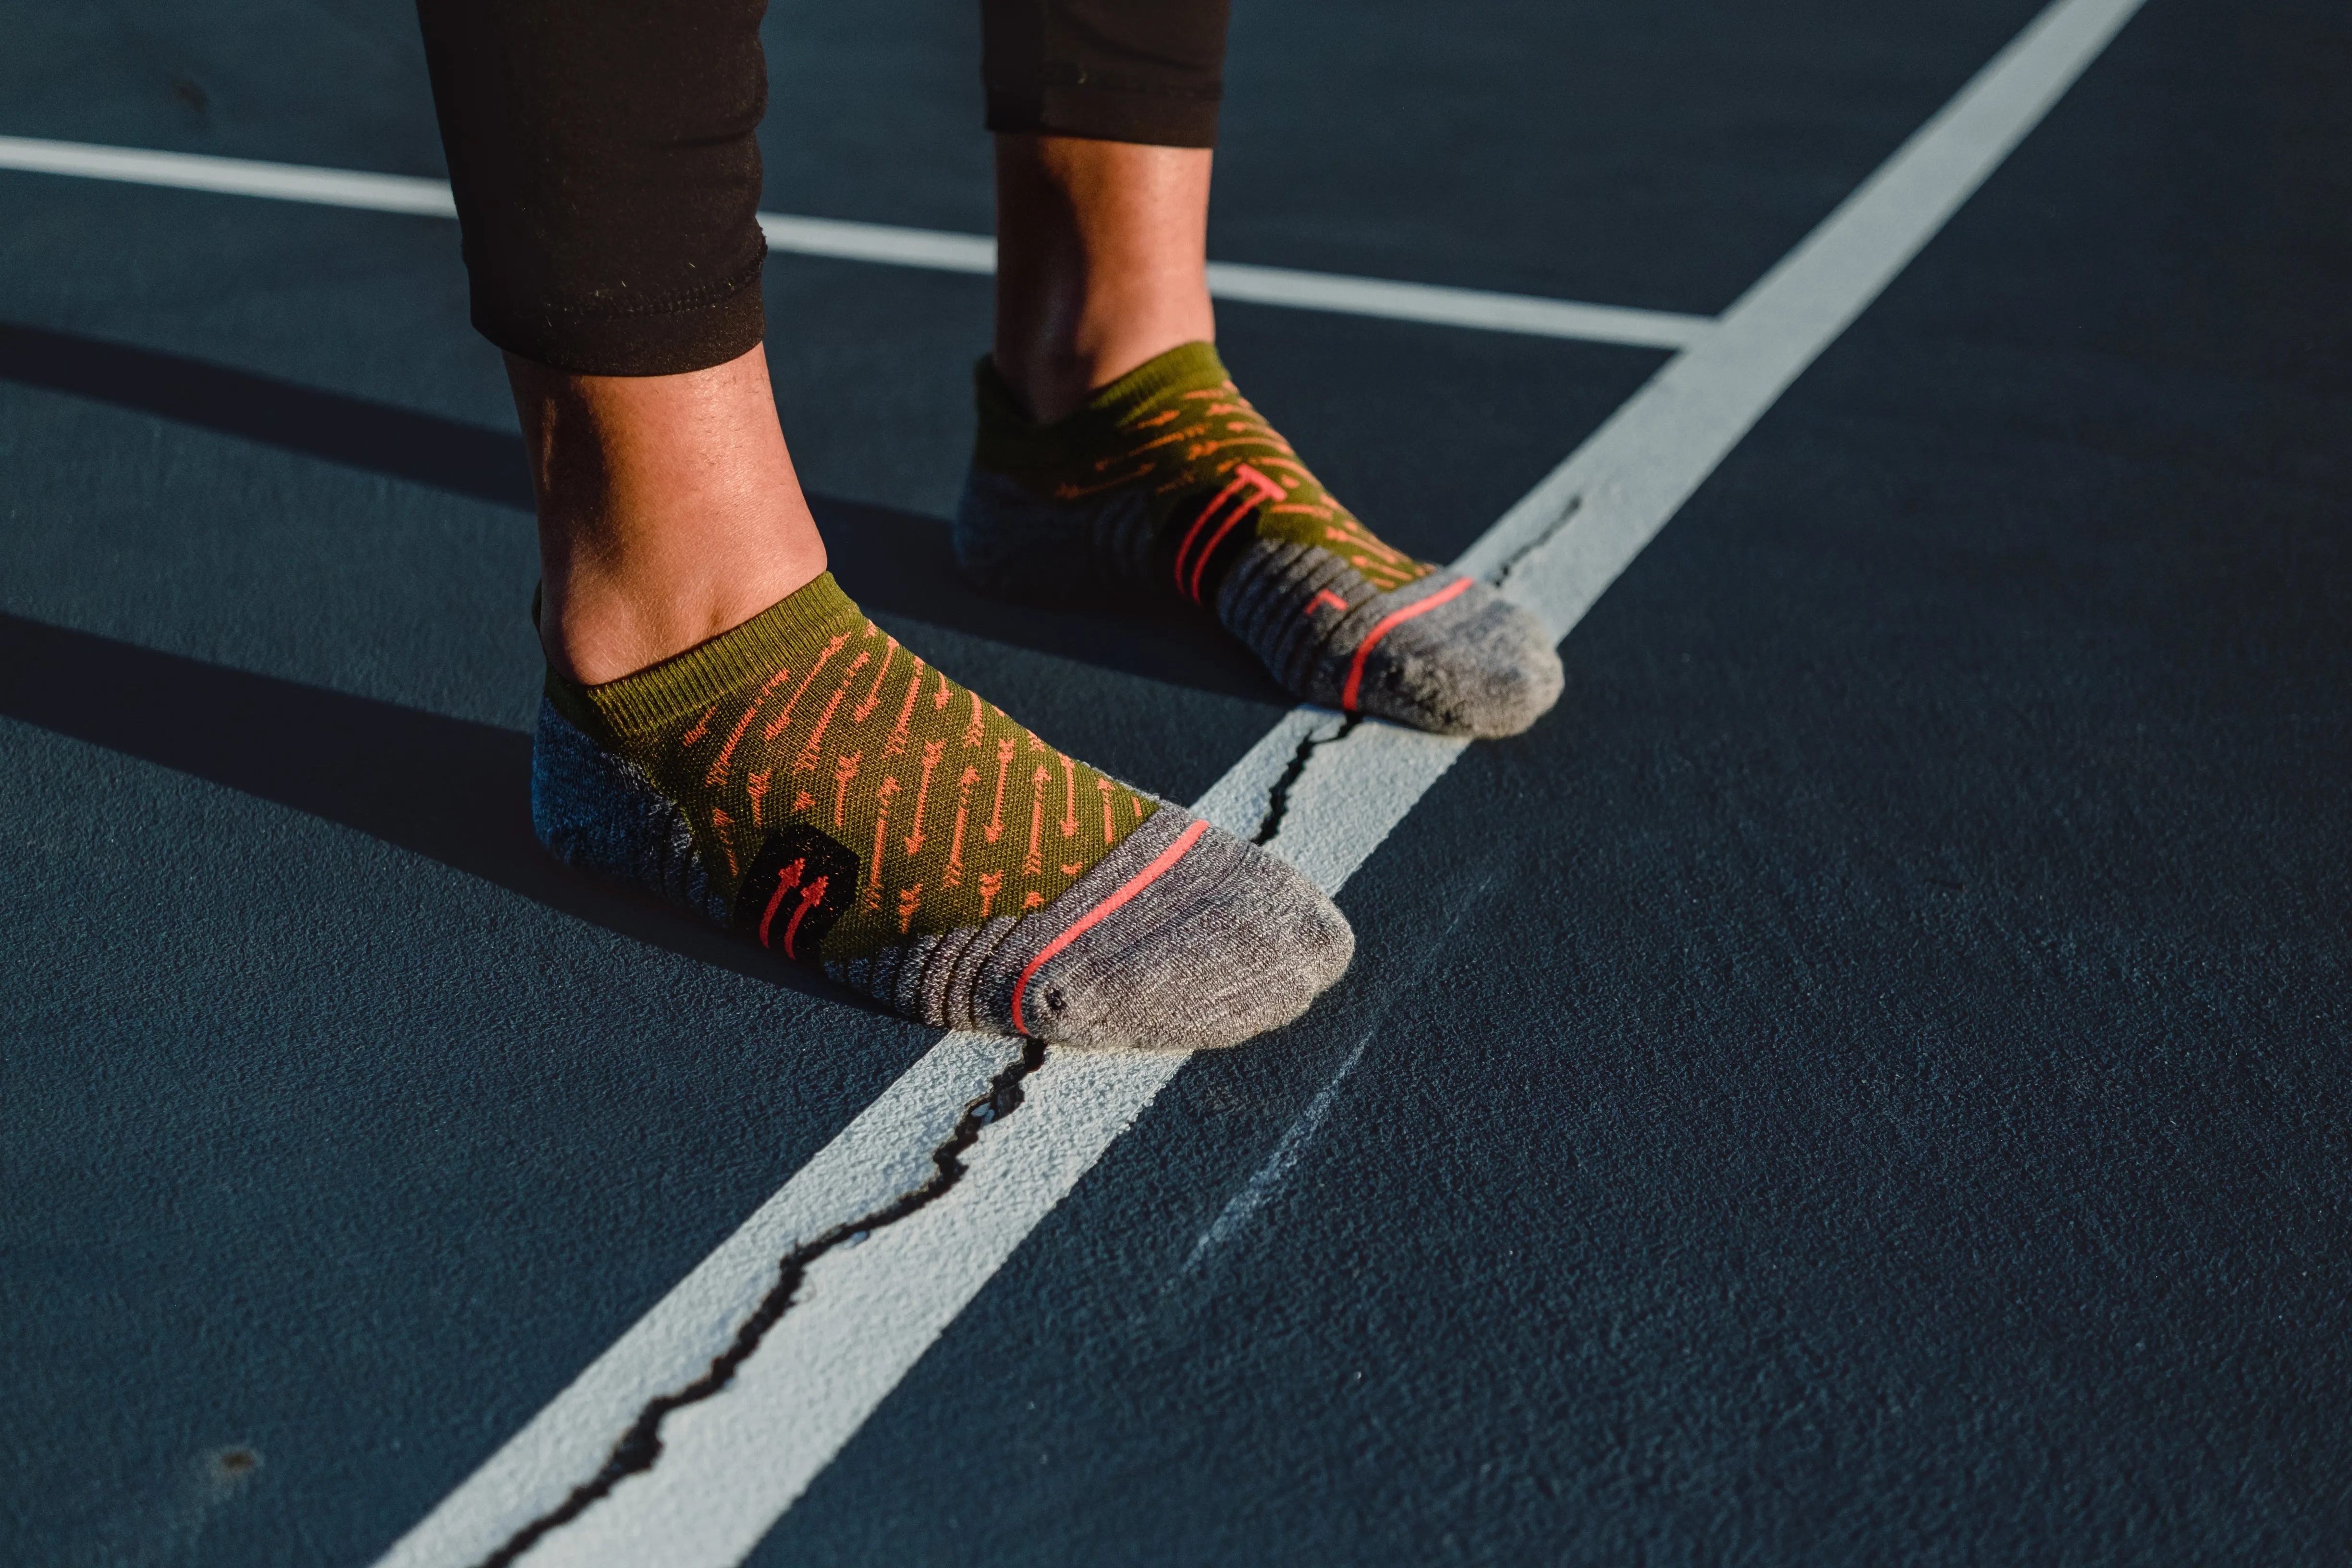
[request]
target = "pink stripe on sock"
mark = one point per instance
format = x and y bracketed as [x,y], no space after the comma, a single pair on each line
[1211,549]
[1198,523]
[1363,649]
[1134,885]
[809,897]
[786,879]
[1266,488]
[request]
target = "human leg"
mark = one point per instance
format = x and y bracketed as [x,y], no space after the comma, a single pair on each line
[1115,454]
[1106,114]
[607,177]
[722,725]
[668,509]
[1102,263]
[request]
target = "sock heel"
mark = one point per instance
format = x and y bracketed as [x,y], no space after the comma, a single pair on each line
[599,812]
[1018,545]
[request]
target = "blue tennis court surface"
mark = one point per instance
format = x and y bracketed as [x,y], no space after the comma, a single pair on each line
[1865,1079]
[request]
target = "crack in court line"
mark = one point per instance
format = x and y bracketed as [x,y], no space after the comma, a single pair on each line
[1510,563]
[639,1449]
[1277,797]
[1636,473]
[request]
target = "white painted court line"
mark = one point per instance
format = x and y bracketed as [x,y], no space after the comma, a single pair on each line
[935,249]
[1474,308]
[731,1465]
[1479,309]
[231,176]
[888,245]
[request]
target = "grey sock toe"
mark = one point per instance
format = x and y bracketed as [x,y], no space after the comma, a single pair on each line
[1226,944]
[1183,938]
[1445,653]
[1475,665]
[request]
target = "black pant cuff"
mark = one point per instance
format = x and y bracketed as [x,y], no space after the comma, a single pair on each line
[1109,114]
[667,342]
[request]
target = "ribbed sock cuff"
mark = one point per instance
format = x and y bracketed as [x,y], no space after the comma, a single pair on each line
[663,693]
[1011,444]
[1187,367]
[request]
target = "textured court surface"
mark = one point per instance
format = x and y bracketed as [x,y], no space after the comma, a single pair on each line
[1865,1080]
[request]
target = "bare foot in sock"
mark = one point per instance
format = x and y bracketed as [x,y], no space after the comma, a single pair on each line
[724,727]
[1168,482]
[808,782]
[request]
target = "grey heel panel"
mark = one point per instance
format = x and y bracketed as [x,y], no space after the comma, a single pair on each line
[601,814]
[1012,542]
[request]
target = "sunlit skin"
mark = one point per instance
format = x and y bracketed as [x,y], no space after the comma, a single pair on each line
[1102,251]
[669,507]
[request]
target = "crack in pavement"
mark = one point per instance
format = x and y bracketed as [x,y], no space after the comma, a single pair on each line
[1277,798]
[1639,469]
[1510,563]
[640,1447]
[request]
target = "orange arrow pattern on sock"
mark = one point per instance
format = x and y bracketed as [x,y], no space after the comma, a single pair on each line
[907,878]
[931,750]
[996,813]
[866,708]
[776,726]
[1035,862]
[954,878]
[806,761]
[882,797]
[844,769]
[898,741]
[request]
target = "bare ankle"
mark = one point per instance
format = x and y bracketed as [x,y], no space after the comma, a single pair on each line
[669,510]
[1102,263]
[601,628]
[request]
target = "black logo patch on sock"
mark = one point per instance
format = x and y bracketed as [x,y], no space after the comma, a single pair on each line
[799,884]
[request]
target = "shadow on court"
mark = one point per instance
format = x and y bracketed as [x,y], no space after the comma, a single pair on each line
[356,432]
[894,563]
[450,790]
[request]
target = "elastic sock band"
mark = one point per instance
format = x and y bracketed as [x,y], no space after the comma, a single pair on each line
[663,693]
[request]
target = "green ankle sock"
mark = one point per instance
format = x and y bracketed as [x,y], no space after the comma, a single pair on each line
[1176,429]
[809,782]
[1169,482]
[864,795]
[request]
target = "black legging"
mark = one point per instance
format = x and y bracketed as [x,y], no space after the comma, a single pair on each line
[608,180]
